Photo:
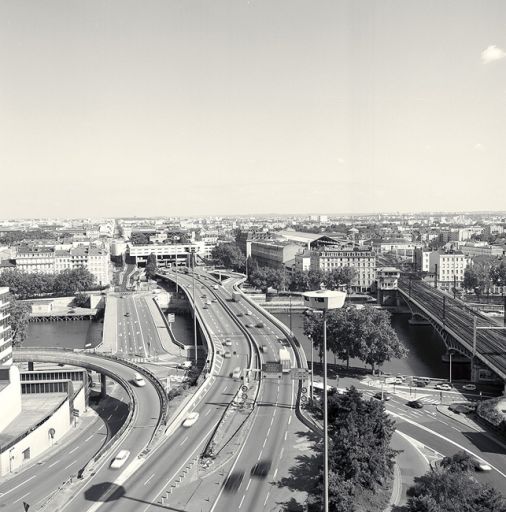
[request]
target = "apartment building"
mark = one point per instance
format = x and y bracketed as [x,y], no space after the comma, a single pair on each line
[173,254]
[5,329]
[362,259]
[422,259]
[482,249]
[449,268]
[36,259]
[402,248]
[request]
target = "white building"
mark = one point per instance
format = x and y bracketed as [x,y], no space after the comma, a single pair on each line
[448,267]
[36,259]
[5,329]
[173,254]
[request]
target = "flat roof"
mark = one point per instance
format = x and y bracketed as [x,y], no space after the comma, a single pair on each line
[34,408]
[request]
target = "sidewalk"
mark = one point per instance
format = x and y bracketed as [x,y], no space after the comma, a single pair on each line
[109,337]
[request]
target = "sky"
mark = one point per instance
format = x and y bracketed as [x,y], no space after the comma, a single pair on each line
[221,107]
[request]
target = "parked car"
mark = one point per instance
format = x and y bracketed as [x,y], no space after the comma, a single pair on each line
[469,387]
[443,386]
[120,459]
[191,419]
[415,404]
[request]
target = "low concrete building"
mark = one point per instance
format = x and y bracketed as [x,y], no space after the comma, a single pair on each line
[274,254]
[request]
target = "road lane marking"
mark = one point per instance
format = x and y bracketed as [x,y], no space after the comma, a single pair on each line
[184,441]
[71,464]
[275,473]
[266,498]
[54,463]
[19,499]
[286,433]
[249,482]
[281,453]
[146,482]
[21,484]
[242,499]
[73,450]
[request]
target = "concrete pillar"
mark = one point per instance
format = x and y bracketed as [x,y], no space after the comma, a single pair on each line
[30,366]
[103,390]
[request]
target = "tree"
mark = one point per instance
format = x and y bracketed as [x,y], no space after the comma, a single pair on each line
[19,318]
[151,266]
[138,238]
[81,300]
[366,334]
[498,274]
[299,281]
[341,276]
[230,256]
[70,281]
[450,489]
[470,281]
[360,457]
[460,461]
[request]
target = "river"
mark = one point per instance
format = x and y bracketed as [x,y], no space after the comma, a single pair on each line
[74,334]
[424,345]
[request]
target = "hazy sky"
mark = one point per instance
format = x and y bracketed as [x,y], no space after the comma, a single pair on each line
[164,107]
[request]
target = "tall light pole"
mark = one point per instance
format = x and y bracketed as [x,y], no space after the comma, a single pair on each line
[325,300]
[450,353]
[192,260]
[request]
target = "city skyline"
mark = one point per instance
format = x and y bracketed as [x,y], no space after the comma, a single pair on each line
[249,107]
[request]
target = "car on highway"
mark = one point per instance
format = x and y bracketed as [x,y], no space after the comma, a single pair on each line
[215,286]
[263,348]
[443,386]
[233,481]
[227,354]
[227,343]
[469,387]
[120,459]
[261,469]
[415,404]
[382,396]
[214,300]
[239,314]
[259,325]
[249,325]
[185,365]
[139,380]
[205,306]
[191,419]
[419,383]
[127,314]
[249,313]
[236,374]
[208,302]
[480,465]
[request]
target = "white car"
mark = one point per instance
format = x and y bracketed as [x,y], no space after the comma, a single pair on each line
[469,387]
[236,374]
[227,354]
[120,459]
[185,365]
[139,380]
[443,387]
[480,465]
[227,343]
[191,419]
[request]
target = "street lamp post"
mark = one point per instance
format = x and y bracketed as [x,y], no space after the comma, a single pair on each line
[325,300]
[450,353]
[192,260]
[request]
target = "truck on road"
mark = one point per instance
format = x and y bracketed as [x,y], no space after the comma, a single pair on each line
[284,359]
[236,296]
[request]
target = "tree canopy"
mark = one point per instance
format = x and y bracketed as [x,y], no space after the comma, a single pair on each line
[450,487]
[230,256]
[151,266]
[19,318]
[366,334]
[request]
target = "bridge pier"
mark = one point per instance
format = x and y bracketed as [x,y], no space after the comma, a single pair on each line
[103,389]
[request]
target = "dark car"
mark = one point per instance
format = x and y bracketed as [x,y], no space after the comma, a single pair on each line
[419,383]
[415,404]
[234,481]
[382,396]
[261,468]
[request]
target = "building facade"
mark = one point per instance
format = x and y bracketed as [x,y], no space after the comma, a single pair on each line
[274,254]
[5,329]
[362,259]
[448,267]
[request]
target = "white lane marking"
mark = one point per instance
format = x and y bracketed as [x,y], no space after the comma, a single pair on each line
[266,498]
[21,484]
[242,499]
[249,482]
[184,441]
[275,473]
[281,453]
[71,464]
[19,499]
[87,439]
[73,450]
[441,436]
[207,412]
[54,463]
[289,420]
[286,433]
[225,388]
[146,482]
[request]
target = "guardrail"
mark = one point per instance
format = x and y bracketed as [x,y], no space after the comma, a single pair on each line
[300,357]
[167,324]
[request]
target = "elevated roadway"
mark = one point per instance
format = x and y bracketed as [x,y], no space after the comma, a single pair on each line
[144,422]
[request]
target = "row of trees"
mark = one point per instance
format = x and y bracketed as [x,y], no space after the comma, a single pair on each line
[485,272]
[450,487]
[151,266]
[360,458]
[365,334]
[24,285]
